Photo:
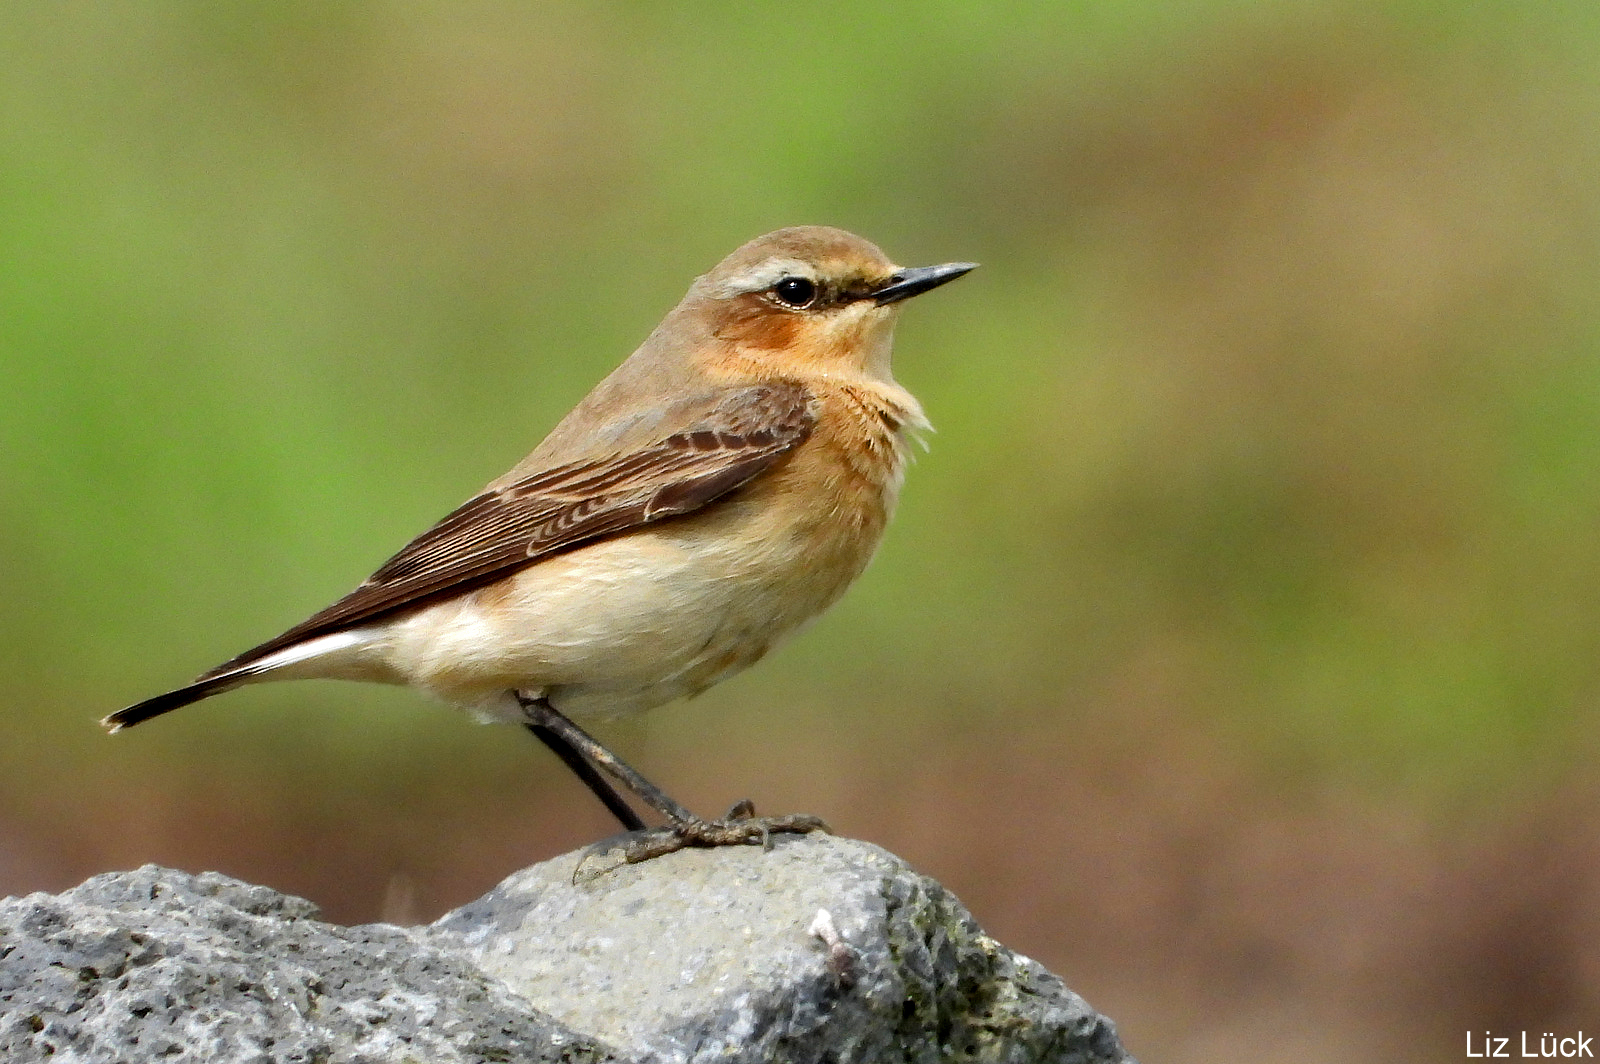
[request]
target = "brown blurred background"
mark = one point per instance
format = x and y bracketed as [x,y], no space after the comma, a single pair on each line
[1234,651]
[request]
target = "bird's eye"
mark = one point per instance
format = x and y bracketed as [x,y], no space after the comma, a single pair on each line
[795,292]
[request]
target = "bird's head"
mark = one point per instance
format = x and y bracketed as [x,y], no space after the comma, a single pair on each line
[809,299]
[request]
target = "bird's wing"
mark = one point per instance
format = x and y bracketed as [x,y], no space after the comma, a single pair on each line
[743,432]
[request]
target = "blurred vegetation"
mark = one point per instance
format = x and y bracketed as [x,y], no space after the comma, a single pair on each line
[1257,543]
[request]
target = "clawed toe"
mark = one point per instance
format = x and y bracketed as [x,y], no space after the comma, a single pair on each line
[738,828]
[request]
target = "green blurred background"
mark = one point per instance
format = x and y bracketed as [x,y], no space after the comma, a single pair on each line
[1233,651]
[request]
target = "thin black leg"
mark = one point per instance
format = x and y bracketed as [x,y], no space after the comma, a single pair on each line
[585,756]
[543,717]
[589,775]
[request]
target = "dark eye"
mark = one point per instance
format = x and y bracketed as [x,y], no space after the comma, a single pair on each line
[795,292]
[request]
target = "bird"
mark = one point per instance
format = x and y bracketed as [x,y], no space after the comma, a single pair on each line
[718,490]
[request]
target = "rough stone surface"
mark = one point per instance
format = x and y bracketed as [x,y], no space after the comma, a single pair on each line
[721,954]
[158,965]
[821,949]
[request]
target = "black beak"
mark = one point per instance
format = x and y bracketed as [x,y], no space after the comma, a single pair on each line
[919,279]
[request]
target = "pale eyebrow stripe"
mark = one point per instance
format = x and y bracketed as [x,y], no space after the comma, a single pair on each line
[764,275]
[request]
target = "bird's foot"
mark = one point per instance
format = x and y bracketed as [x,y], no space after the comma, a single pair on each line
[740,827]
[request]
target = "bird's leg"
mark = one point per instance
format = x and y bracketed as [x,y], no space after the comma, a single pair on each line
[541,715]
[683,829]
[590,775]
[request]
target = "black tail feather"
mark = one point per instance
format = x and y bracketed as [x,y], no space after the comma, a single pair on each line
[140,712]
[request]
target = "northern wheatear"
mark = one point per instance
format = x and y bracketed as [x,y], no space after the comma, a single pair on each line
[720,488]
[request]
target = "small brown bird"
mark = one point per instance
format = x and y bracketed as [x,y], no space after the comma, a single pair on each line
[720,488]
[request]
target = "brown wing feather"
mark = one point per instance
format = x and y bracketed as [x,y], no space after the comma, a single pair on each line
[743,433]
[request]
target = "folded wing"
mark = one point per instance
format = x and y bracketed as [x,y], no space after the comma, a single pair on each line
[744,432]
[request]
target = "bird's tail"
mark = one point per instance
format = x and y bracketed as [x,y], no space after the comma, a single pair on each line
[307,658]
[140,712]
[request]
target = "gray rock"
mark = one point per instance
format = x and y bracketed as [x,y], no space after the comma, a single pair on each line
[162,965]
[819,949]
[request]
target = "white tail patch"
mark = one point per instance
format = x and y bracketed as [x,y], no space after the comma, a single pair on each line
[319,647]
